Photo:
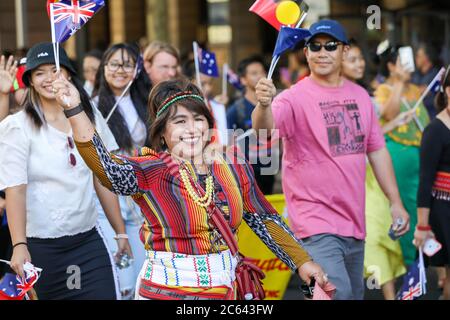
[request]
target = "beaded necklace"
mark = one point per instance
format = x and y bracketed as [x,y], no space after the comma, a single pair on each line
[206,199]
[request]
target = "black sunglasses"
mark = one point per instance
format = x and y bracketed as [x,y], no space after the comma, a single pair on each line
[329,46]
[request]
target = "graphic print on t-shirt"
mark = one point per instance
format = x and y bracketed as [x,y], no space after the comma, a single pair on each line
[344,127]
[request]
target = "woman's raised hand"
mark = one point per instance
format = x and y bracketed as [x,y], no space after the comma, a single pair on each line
[8,71]
[65,92]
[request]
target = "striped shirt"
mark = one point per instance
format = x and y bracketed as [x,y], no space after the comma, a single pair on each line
[173,221]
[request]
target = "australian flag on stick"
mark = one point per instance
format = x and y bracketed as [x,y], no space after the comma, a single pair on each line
[414,282]
[13,287]
[208,63]
[234,80]
[68,16]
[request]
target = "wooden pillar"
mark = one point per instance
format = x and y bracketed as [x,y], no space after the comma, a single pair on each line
[157,20]
[246,39]
[117,20]
[174,21]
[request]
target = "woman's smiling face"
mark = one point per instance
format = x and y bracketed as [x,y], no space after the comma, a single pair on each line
[186,133]
[119,70]
[42,80]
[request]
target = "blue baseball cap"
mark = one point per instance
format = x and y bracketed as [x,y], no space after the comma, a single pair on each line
[329,27]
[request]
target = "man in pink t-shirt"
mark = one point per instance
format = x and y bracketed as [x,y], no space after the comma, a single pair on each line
[329,126]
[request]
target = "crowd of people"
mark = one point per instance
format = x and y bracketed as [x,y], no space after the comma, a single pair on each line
[120,175]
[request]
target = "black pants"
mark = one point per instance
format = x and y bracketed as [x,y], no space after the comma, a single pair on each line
[74,268]
[5,250]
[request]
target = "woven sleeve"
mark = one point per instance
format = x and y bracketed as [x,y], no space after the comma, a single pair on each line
[265,221]
[115,173]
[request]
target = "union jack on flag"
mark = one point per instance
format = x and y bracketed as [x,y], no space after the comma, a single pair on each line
[13,287]
[68,16]
[414,282]
[413,292]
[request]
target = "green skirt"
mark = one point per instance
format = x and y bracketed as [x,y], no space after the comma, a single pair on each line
[406,166]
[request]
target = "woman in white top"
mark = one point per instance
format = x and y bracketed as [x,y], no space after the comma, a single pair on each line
[128,123]
[50,201]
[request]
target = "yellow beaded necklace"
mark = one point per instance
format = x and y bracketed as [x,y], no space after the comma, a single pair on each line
[204,201]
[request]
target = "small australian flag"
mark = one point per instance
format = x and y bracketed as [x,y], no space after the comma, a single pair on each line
[208,63]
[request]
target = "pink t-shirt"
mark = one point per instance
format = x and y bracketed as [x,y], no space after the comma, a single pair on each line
[326,134]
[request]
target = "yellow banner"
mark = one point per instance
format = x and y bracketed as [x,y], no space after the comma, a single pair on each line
[277,273]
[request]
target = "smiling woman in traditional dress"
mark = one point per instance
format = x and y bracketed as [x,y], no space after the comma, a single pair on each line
[187,258]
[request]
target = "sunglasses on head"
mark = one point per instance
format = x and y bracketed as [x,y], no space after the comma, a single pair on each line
[329,46]
[72,158]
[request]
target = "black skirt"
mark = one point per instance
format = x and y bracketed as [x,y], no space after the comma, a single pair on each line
[440,224]
[74,268]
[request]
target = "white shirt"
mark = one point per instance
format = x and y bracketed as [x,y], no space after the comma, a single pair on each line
[135,125]
[60,197]
[220,116]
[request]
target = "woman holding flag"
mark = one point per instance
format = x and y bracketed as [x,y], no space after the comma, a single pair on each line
[125,107]
[394,96]
[50,190]
[433,199]
[187,257]
[381,252]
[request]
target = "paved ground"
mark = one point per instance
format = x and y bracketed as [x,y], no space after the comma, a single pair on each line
[293,292]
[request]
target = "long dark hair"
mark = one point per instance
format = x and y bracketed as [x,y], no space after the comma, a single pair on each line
[388,56]
[441,99]
[139,92]
[161,93]
[33,109]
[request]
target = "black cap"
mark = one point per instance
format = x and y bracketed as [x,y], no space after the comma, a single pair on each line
[42,53]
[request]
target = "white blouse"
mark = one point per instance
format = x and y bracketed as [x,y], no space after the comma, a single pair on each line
[135,125]
[60,197]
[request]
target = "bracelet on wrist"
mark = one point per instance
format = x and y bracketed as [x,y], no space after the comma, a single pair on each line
[19,244]
[424,228]
[121,236]
[74,111]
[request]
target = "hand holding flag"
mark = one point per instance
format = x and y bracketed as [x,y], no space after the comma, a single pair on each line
[13,287]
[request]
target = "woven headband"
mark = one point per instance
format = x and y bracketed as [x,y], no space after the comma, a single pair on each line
[175,98]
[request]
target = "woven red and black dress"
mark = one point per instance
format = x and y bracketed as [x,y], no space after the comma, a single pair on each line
[434,187]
